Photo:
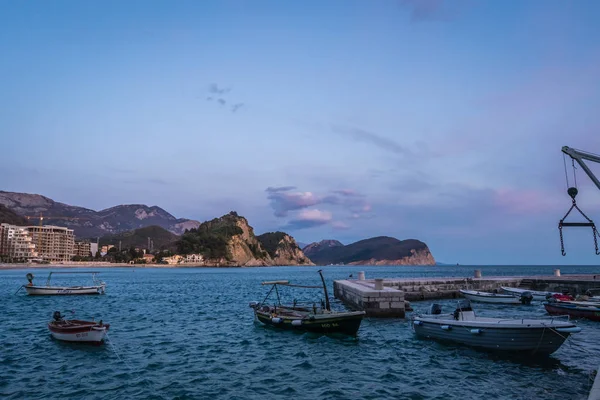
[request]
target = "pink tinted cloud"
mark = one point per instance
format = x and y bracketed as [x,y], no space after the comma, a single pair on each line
[526,201]
[315,215]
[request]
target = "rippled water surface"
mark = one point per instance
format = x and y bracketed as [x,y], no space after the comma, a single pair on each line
[189,334]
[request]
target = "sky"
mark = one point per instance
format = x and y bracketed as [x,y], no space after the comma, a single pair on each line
[435,120]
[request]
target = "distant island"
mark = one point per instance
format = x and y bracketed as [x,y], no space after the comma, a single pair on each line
[381,250]
[137,233]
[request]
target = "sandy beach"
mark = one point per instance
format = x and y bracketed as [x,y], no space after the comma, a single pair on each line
[75,264]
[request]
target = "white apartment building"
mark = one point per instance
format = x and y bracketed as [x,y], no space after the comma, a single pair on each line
[16,243]
[53,243]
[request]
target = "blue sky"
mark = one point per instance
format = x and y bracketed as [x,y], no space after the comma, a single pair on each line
[436,120]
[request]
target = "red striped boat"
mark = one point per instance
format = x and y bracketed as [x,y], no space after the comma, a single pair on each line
[74,330]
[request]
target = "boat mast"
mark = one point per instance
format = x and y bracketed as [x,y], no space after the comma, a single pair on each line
[327,305]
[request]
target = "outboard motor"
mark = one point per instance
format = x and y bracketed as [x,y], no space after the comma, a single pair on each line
[57,317]
[526,298]
[435,309]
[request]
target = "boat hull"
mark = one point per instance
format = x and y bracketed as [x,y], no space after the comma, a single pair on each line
[58,290]
[575,311]
[532,340]
[537,295]
[345,323]
[89,332]
[484,297]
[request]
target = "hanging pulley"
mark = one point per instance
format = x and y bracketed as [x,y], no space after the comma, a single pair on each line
[572,191]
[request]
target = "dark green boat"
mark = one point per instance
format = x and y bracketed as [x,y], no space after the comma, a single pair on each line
[318,319]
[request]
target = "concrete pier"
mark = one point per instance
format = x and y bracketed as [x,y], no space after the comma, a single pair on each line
[362,295]
[387,297]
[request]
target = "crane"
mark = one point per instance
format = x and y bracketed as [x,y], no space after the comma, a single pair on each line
[579,156]
[41,218]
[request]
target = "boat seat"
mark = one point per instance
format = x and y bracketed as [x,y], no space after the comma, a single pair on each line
[467,316]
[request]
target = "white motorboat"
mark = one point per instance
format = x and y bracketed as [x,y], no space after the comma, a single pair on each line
[541,336]
[537,295]
[76,330]
[97,287]
[487,297]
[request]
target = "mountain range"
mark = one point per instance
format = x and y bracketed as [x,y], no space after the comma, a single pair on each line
[88,223]
[229,240]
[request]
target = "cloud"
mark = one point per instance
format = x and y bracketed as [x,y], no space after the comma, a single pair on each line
[310,219]
[296,207]
[361,135]
[222,101]
[283,200]
[215,89]
[433,10]
[236,107]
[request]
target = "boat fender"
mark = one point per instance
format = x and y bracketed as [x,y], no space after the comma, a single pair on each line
[476,331]
[276,320]
[297,322]
[446,327]
[418,323]
[571,329]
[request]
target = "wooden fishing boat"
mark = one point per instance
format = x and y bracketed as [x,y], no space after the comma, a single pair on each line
[315,318]
[97,287]
[76,330]
[533,336]
[575,309]
[487,297]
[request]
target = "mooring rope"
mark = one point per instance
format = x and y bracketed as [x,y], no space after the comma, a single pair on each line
[131,369]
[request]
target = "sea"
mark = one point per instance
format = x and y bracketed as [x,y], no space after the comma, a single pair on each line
[189,333]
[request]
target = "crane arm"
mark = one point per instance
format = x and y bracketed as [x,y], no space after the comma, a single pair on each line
[579,156]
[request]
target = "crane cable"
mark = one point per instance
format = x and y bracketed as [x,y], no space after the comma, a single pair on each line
[566,173]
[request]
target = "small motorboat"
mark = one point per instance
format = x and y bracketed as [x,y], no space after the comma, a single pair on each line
[487,297]
[317,319]
[74,330]
[537,295]
[97,287]
[539,336]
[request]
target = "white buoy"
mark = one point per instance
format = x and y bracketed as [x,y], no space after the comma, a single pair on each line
[297,322]
[276,320]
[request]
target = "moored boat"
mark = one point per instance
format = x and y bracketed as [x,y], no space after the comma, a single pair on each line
[487,297]
[315,318]
[537,295]
[76,330]
[98,287]
[575,309]
[533,336]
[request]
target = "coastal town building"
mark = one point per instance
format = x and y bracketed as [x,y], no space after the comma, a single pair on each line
[53,243]
[149,258]
[193,258]
[94,249]
[16,243]
[83,249]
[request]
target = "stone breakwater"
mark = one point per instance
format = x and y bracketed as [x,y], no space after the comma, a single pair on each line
[390,297]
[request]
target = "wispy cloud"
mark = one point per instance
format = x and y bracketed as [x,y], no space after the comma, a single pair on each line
[220,95]
[433,10]
[215,89]
[375,139]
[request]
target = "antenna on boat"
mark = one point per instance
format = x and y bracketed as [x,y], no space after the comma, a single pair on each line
[327,305]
